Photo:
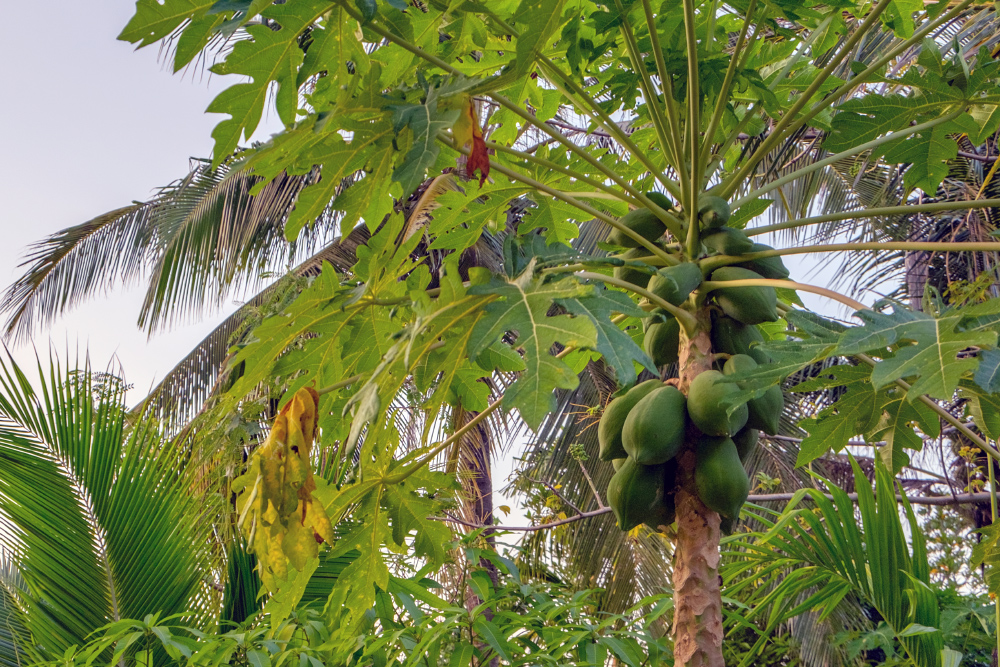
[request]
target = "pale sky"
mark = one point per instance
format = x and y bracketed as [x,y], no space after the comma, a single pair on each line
[91,126]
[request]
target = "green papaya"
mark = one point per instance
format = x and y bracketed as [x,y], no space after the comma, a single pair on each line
[739,363]
[609,430]
[633,493]
[673,284]
[618,463]
[713,212]
[763,412]
[707,402]
[662,341]
[664,511]
[642,221]
[660,200]
[637,277]
[727,526]
[746,441]
[749,305]
[769,267]
[734,337]
[654,428]
[719,477]
[726,241]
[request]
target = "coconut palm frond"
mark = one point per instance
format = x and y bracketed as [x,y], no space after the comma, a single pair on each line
[75,264]
[100,521]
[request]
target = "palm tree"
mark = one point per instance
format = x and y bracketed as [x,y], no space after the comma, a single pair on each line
[99,521]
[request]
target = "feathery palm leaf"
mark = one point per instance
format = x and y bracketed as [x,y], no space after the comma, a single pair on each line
[101,521]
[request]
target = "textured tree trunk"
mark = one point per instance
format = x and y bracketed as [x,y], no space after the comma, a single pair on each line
[697,593]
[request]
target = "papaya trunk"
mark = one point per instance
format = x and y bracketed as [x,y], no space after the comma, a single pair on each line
[697,593]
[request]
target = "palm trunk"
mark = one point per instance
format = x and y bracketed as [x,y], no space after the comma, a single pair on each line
[697,593]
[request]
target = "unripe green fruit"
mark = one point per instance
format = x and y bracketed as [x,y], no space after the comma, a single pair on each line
[707,401]
[633,493]
[734,337]
[763,412]
[713,212]
[749,305]
[655,426]
[660,200]
[609,430]
[662,341]
[746,441]
[726,241]
[642,221]
[673,284]
[637,277]
[769,267]
[719,477]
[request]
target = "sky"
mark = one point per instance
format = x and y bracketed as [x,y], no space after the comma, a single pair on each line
[92,125]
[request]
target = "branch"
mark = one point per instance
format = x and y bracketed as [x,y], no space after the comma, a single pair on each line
[683,316]
[554,490]
[960,499]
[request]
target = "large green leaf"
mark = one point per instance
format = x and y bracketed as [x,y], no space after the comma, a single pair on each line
[522,308]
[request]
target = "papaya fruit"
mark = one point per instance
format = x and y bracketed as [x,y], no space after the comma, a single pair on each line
[707,403]
[749,305]
[633,493]
[642,221]
[660,200]
[739,363]
[662,340]
[618,463]
[713,212]
[734,337]
[763,412]
[673,284]
[664,510]
[726,241]
[769,267]
[719,477]
[746,441]
[637,277]
[654,428]
[609,429]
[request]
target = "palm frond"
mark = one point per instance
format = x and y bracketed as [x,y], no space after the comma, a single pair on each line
[102,523]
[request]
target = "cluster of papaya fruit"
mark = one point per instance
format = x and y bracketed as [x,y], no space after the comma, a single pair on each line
[643,431]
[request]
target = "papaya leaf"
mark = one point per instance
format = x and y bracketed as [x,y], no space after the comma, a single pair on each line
[988,373]
[987,553]
[616,346]
[269,56]
[424,121]
[984,408]
[929,348]
[541,18]
[522,308]
[153,20]
[895,427]
[853,413]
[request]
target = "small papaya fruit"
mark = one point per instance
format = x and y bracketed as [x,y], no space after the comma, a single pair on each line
[713,212]
[769,267]
[662,340]
[654,428]
[609,429]
[707,404]
[618,463]
[763,412]
[726,241]
[746,441]
[664,512]
[642,221]
[673,284]
[633,492]
[749,305]
[719,477]
[659,199]
[734,337]
[630,274]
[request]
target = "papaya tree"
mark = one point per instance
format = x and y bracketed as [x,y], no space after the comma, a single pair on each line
[716,111]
